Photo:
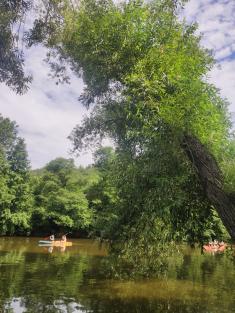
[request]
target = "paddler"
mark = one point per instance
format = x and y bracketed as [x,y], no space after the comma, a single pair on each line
[52,237]
[64,238]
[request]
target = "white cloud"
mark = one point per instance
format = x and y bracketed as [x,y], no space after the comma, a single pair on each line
[217,24]
[224,78]
[46,114]
[223,53]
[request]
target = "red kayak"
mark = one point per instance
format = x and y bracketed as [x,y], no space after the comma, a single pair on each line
[212,248]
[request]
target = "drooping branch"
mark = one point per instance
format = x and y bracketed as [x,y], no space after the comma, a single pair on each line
[212,181]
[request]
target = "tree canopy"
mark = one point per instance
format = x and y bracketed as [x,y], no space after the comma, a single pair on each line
[15,194]
[60,197]
[12,17]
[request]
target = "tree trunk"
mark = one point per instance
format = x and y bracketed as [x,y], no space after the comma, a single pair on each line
[212,181]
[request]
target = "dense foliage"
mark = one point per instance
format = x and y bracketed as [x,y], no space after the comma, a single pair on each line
[52,199]
[12,17]
[15,194]
[60,202]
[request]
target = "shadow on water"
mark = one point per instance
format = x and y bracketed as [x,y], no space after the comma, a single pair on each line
[35,280]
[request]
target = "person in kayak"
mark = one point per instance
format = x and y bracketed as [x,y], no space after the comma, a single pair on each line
[64,238]
[52,237]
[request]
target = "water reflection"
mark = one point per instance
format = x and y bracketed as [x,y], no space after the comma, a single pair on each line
[50,249]
[17,305]
[35,281]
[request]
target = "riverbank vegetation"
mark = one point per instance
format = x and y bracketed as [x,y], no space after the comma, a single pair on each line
[169,176]
[98,199]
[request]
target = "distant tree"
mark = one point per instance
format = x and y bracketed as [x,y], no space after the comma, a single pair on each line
[103,157]
[60,200]
[62,168]
[16,200]
[8,134]
[18,157]
[102,195]
[13,146]
[58,164]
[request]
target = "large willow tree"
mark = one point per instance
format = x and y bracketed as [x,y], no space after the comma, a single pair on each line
[145,71]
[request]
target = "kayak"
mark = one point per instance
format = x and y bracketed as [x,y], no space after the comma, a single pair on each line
[209,248]
[59,243]
[56,243]
[46,242]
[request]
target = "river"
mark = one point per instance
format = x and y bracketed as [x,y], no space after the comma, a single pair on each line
[36,279]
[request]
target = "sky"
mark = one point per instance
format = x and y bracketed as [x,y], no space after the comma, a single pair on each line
[47,113]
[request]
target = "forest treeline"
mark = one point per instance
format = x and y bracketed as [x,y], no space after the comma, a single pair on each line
[171,174]
[95,201]
[59,197]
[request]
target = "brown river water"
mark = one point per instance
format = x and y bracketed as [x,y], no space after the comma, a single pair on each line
[40,280]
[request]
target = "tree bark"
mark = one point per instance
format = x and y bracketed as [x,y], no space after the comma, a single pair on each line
[212,181]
